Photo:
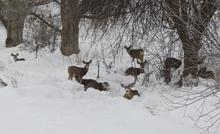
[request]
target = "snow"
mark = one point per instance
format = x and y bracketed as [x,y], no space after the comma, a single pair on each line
[41,100]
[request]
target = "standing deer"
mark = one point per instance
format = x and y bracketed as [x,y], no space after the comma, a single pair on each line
[15,57]
[101,86]
[136,71]
[170,63]
[78,72]
[135,53]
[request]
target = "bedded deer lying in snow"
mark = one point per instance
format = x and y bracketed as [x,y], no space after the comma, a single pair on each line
[135,53]
[130,93]
[90,83]
[136,71]
[78,72]
[15,57]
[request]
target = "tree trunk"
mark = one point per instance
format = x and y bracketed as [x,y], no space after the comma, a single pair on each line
[16,12]
[15,30]
[70,17]
[191,57]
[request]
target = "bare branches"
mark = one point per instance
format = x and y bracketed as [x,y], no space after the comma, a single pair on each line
[35,3]
[47,23]
[207,116]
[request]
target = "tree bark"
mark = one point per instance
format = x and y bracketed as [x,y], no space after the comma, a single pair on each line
[13,14]
[70,17]
[15,30]
[191,58]
[16,12]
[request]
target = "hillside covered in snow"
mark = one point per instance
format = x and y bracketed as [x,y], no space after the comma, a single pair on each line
[39,99]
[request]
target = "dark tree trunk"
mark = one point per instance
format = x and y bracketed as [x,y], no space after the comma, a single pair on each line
[16,11]
[70,16]
[15,30]
[191,58]
[13,14]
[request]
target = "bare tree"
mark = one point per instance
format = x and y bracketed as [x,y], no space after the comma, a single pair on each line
[191,19]
[13,14]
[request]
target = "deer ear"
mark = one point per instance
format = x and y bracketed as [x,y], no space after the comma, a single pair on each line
[83,61]
[11,54]
[17,54]
[90,61]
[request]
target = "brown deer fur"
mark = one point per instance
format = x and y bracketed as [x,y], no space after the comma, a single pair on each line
[129,93]
[136,71]
[78,72]
[94,84]
[135,53]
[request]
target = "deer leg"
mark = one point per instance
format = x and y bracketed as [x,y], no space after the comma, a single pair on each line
[85,88]
[80,79]
[132,62]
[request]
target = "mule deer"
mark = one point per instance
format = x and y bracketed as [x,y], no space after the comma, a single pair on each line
[136,71]
[78,72]
[15,57]
[135,53]
[101,86]
[203,73]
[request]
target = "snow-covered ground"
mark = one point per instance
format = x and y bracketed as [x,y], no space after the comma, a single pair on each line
[40,100]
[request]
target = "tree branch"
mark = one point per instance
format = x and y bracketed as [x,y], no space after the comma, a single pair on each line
[40,2]
[205,14]
[44,21]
